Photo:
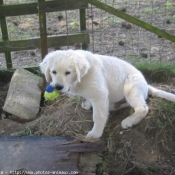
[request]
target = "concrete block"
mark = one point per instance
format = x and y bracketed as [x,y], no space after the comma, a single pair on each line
[24,95]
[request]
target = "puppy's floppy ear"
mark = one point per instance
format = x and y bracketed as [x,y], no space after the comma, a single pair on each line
[81,66]
[44,66]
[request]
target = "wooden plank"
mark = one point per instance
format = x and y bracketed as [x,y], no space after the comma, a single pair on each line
[82,13]
[35,154]
[43,153]
[131,19]
[53,41]
[6,74]
[5,37]
[43,30]
[56,143]
[84,147]
[32,8]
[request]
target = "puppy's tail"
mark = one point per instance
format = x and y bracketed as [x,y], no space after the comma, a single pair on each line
[160,93]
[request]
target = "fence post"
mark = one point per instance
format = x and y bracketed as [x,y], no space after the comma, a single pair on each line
[82,13]
[5,37]
[43,30]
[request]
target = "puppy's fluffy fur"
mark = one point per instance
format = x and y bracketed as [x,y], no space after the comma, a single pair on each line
[103,81]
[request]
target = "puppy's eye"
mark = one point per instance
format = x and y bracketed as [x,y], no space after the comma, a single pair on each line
[54,72]
[67,73]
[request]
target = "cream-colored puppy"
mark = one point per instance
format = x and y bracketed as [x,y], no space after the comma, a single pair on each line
[105,82]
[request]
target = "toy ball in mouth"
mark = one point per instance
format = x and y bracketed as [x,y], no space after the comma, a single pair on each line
[51,93]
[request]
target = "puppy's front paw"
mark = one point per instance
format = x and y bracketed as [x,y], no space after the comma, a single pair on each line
[86,104]
[94,135]
[127,123]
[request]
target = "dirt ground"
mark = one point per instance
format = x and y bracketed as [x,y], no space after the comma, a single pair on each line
[145,149]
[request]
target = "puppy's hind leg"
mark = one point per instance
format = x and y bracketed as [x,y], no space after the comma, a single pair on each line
[135,94]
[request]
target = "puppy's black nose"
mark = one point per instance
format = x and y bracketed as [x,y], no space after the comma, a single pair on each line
[59,87]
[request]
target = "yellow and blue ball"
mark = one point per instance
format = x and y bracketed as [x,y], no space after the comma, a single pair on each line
[51,93]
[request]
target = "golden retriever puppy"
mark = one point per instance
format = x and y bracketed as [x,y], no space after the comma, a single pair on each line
[105,82]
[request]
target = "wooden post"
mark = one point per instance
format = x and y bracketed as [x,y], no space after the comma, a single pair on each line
[82,13]
[5,37]
[43,30]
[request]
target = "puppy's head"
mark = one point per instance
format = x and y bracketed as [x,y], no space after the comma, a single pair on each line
[64,68]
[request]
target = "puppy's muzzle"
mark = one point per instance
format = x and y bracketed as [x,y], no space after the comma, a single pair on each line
[59,87]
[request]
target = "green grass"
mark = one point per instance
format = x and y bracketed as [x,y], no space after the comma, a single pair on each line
[143,169]
[156,72]
[25,132]
[73,24]
[161,126]
[148,10]
[152,10]
[113,20]
[169,5]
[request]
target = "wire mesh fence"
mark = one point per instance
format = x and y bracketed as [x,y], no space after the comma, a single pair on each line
[109,35]
[114,36]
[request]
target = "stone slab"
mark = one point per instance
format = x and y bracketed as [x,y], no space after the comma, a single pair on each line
[24,95]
